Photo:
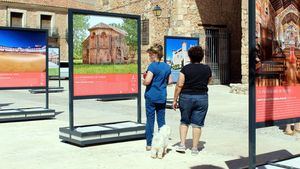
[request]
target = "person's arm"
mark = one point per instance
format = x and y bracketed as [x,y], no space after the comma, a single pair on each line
[148,79]
[210,80]
[170,80]
[179,86]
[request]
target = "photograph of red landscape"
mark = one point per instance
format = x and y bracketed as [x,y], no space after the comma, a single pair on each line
[22,58]
[277,60]
[105,55]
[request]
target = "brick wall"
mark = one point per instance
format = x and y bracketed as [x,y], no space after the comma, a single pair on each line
[245,42]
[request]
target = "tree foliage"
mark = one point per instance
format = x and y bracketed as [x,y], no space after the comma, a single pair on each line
[130,26]
[80,33]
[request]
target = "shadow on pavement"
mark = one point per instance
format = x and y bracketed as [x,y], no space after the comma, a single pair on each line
[189,144]
[5,104]
[206,167]
[242,162]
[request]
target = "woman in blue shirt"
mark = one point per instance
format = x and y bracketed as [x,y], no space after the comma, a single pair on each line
[156,81]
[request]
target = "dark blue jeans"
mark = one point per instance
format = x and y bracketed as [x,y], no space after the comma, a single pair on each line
[193,109]
[151,109]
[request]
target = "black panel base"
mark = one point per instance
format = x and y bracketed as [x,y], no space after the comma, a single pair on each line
[50,90]
[24,114]
[103,133]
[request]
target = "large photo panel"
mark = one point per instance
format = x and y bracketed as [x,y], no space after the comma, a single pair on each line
[22,58]
[176,53]
[277,60]
[105,55]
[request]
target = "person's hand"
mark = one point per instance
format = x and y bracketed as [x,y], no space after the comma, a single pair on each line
[144,75]
[175,105]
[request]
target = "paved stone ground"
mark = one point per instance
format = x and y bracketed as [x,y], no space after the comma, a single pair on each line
[35,144]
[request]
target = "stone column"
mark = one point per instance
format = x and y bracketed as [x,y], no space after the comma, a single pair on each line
[245,46]
[3,14]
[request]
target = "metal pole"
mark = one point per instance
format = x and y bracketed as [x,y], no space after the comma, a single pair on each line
[47,71]
[139,100]
[252,95]
[59,82]
[71,89]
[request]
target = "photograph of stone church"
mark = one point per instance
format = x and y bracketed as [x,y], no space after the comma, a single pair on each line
[105,45]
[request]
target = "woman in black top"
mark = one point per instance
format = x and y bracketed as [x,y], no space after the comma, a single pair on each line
[193,100]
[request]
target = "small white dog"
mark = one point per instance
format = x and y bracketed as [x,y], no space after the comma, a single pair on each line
[160,142]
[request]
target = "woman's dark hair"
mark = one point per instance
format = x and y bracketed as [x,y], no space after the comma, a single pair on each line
[196,54]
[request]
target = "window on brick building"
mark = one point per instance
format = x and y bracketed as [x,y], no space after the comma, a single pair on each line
[16,19]
[105,2]
[145,32]
[46,21]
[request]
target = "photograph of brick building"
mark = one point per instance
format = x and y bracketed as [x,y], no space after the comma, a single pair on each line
[105,45]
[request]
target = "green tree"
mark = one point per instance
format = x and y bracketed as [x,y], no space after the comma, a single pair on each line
[80,33]
[130,26]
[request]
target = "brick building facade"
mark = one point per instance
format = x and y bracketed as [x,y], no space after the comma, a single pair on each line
[105,44]
[51,15]
[192,18]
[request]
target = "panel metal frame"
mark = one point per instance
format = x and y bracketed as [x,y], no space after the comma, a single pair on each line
[253,125]
[71,13]
[46,87]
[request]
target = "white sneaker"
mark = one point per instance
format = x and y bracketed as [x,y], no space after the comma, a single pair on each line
[194,151]
[181,148]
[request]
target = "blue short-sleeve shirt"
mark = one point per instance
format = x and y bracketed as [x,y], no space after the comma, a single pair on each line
[156,91]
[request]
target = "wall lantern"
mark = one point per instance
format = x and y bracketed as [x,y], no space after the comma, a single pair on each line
[157,11]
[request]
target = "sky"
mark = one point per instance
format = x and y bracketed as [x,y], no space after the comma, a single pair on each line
[94,20]
[175,44]
[20,38]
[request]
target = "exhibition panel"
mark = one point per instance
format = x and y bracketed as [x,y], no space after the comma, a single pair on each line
[176,53]
[24,65]
[104,63]
[22,58]
[105,55]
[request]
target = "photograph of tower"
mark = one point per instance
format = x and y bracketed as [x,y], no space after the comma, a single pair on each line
[176,53]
